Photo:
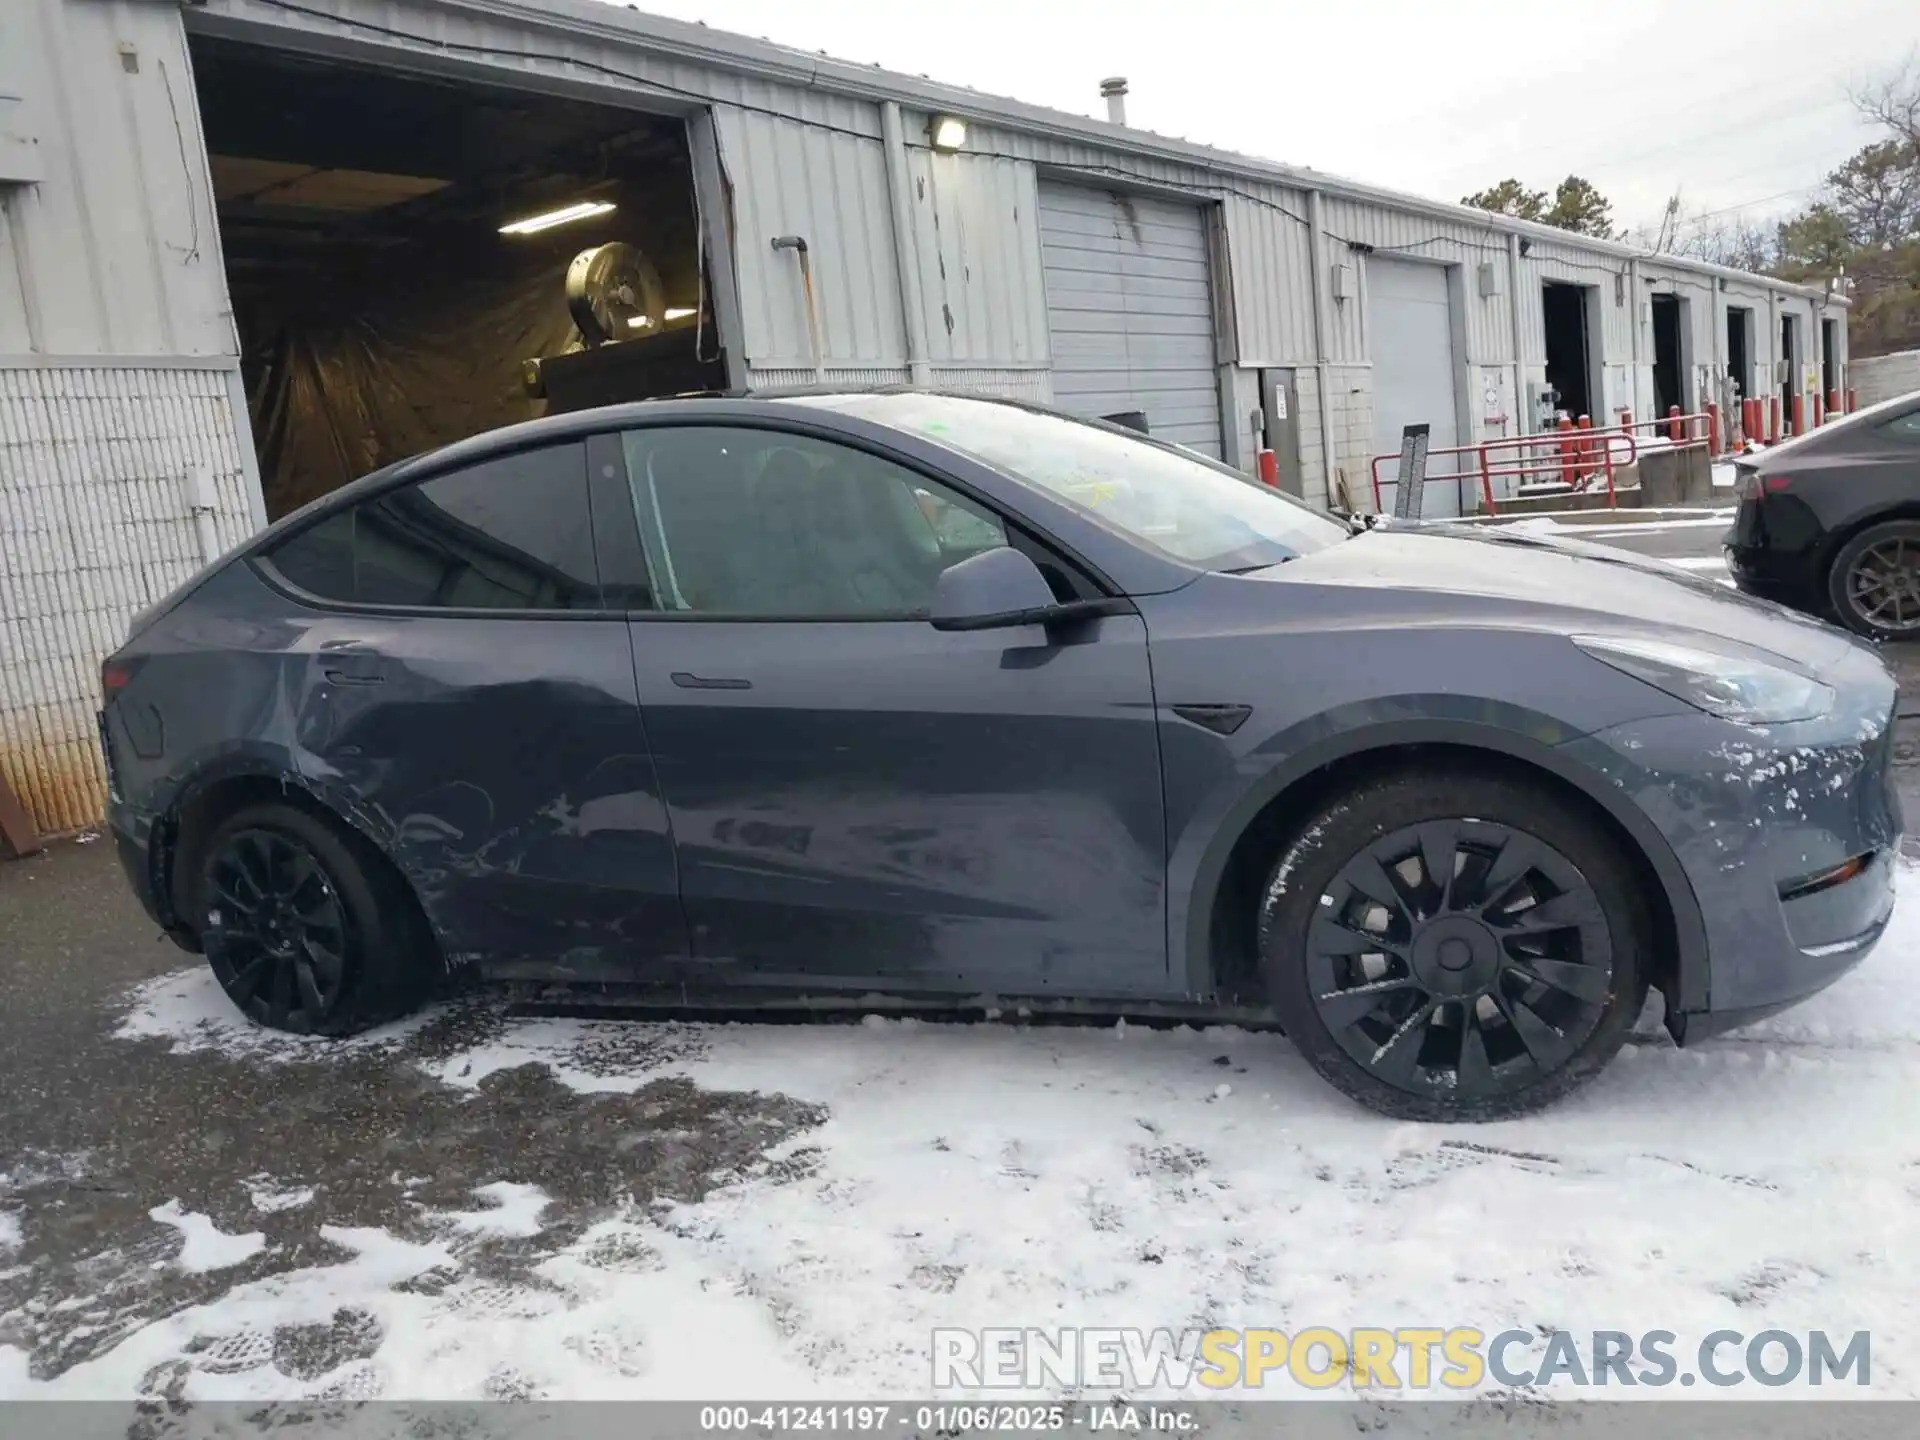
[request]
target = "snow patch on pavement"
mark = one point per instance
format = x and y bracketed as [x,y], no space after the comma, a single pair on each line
[986,1176]
[10,1232]
[514,1210]
[203,1245]
[188,1009]
[269,1197]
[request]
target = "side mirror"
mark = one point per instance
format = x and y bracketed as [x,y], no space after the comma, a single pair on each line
[999,589]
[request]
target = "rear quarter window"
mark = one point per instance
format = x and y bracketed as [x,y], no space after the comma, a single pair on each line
[513,533]
[319,559]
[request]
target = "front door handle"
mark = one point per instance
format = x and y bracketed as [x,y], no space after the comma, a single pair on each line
[698,682]
[356,677]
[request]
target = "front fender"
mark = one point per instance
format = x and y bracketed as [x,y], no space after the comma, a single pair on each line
[1199,854]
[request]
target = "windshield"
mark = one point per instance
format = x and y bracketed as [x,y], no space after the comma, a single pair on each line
[1179,503]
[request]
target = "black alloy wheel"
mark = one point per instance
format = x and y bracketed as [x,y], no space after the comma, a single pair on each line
[1454,947]
[1460,955]
[307,926]
[276,930]
[1875,581]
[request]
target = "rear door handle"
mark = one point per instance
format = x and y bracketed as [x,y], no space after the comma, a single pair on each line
[356,677]
[697,682]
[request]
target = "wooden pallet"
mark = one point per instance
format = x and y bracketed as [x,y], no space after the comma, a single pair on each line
[15,827]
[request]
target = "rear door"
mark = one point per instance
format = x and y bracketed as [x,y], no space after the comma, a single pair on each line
[464,681]
[858,799]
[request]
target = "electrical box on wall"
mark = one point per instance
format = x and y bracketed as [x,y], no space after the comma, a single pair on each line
[1490,280]
[1342,282]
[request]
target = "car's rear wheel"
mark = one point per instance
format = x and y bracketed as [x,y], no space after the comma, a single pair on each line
[1454,946]
[305,930]
[1874,582]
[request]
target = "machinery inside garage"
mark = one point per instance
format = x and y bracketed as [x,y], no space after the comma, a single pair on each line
[413,259]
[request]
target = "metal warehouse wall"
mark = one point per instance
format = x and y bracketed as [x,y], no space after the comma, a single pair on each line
[115,252]
[120,398]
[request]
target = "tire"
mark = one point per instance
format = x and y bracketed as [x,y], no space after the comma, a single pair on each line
[307,929]
[1546,996]
[1881,563]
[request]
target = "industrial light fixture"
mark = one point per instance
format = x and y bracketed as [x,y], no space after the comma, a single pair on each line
[948,132]
[639,322]
[680,314]
[565,215]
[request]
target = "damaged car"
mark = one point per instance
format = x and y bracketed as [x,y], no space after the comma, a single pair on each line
[827,698]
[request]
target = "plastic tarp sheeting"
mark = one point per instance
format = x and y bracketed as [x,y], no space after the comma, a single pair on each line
[349,374]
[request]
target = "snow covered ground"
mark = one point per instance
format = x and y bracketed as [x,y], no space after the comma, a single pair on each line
[990,1176]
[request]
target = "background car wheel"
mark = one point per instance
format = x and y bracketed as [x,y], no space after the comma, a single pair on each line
[1454,946]
[306,931]
[1874,582]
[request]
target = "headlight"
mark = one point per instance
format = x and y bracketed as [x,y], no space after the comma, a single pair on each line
[1729,686]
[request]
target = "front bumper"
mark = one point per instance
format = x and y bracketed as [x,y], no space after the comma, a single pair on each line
[1752,812]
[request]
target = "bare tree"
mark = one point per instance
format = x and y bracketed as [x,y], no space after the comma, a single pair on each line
[1894,101]
[1732,240]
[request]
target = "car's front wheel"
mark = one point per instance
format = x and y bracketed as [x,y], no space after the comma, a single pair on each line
[1454,946]
[304,929]
[1874,582]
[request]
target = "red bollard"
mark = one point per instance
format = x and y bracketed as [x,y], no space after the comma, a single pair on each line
[1586,451]
[1749,426]
[1566,450]
[1673,424]
[1853,402]
[1819,410]
[1799,413]
[1713,428]
[1773,419]
[1836,407]
[1269,468]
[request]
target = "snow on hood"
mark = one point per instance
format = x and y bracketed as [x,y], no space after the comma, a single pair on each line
[1581,581]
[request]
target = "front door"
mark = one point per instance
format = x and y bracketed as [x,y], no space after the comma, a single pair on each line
[856,798]
[466,685]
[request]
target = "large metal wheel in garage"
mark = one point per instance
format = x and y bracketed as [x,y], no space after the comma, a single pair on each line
[1415,377]
[1130,308]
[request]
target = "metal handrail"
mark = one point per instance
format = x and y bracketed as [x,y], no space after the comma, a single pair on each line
[1575,454]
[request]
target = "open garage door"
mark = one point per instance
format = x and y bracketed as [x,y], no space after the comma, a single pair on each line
[1410,340]
[404,254]
[1130,310]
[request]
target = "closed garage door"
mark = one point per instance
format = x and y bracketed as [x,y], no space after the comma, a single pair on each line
[1130,310]
[1410,341]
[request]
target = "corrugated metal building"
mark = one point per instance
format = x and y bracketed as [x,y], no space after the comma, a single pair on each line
[1048,256]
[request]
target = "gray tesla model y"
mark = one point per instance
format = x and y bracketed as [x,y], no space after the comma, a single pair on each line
[744,701]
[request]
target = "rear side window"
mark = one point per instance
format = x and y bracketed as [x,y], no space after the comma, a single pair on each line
[509,534]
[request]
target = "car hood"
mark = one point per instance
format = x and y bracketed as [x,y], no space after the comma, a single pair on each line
[1567,583]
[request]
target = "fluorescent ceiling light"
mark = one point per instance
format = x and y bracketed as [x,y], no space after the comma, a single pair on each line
[637,321]
[948,132]
[565,215]
[680,314]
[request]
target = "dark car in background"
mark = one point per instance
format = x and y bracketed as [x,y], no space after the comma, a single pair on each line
[964,702]
[1829,522]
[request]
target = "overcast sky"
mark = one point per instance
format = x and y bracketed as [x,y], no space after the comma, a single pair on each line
[1738,103]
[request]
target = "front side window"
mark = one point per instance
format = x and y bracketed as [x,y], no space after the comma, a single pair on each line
[1181,504]
[508,534]
[749,522]
[1905,430]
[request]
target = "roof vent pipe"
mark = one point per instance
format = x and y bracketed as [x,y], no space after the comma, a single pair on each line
[1115,91]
